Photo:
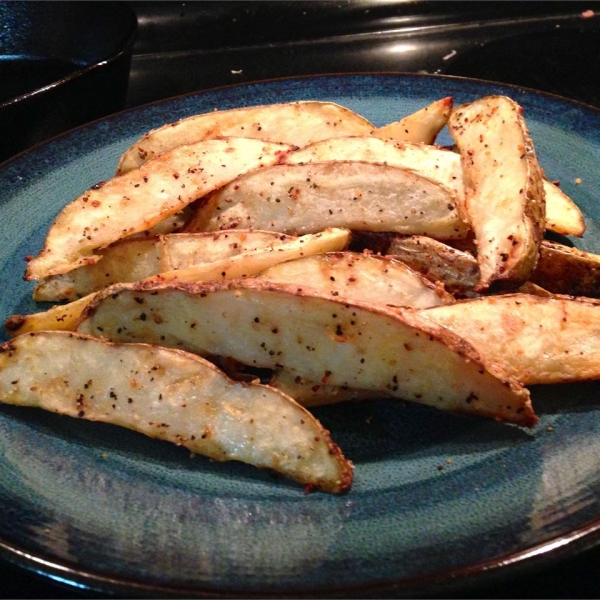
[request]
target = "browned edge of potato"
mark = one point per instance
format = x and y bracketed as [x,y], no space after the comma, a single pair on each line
[319,338]
[173,396]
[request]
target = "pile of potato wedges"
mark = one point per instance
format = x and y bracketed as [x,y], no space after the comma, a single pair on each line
[246,265]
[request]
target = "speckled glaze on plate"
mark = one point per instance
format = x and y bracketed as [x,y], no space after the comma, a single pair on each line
[437,499]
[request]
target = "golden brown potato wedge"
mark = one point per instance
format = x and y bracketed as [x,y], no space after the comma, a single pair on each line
[296,123]
[538,339]
[560,269]
[504,193]
[298,199]
[63,317]
[174,396]
[562,214]
[389,350]
[135,259]
[364,277]
[430,161]
[125,261]
[136,202]
[422,126]
[240,264]
[565,270]
[247,264]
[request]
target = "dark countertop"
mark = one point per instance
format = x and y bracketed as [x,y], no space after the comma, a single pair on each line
[183,47]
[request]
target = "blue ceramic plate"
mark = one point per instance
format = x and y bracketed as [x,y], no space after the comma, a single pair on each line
[436,498]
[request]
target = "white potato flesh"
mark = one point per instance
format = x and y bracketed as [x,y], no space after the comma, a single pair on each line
[135,259]
[238,264]
[297,199]
[250,263]
[562,214]
[539,339]
[124,261]
[392,350]
[136,202]
[296,123]
[183,250]
[364,277]
[422,126]
[173,396]
[504,194]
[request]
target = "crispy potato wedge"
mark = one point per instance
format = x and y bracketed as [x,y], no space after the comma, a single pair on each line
[129,204]
[430,161]
[310,394]
[368,278]
[560,269]
[389,350]
[63,317]
[242,264]
[134,259]
[539,339]
[297,123]
[298,199]
[562,214]
[422,126]
[504,192]
[125,261]
[174,396]
[565,270]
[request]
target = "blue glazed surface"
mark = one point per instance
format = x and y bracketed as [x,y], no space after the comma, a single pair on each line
[433,493]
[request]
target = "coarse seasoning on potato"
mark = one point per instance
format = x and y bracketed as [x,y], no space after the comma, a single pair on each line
[305,198]
[300,244]
[173,396]
[440,164]
[315,336]
[504,192]
[135,202]
[297,123]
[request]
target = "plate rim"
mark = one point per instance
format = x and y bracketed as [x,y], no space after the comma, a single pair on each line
[498,568]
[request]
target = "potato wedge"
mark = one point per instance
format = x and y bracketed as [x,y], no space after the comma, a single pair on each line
[321,339]
[250,263]
[129,204]
[174,396]
[63,317]
[504,193]
[565,270]
[422,126]
[125,261]
[133,259]
[296,123]
[368,278]
[297,199]
[562,214]
[244,264]
[539,339]
[310,394]
[560,269]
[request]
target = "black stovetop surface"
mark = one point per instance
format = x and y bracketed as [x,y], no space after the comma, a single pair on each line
[188,46]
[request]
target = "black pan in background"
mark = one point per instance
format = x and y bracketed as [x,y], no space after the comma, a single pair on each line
[62,64]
